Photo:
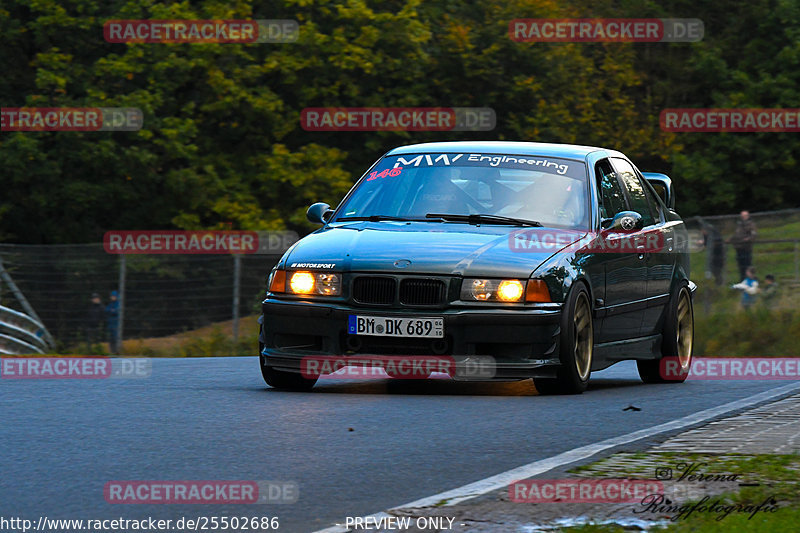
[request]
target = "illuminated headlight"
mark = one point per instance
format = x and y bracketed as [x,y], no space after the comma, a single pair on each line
[505,290]
[302,282]
[493,290]
[510,290]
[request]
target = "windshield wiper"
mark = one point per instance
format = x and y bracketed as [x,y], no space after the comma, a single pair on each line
[379,218]
[485,219]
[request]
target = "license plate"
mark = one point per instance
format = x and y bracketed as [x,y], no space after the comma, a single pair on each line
[380,326]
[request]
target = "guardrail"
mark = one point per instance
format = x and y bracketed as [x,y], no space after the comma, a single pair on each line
[12,346]
[21,334]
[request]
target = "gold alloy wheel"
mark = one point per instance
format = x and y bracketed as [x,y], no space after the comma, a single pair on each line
[584,336]
[684,329]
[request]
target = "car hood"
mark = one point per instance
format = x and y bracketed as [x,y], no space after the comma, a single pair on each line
[421,248]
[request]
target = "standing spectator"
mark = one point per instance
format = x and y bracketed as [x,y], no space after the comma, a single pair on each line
[94,321]
[749,288]
[769,292]
[112,322]
[715,250]
[742,241]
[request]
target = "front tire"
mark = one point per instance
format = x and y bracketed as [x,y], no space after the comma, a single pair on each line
[677,342]
[576,345]
[280,379]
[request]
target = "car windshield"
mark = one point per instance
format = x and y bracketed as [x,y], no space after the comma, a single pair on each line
[547,190]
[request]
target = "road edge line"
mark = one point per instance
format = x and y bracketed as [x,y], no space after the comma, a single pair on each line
[498,481]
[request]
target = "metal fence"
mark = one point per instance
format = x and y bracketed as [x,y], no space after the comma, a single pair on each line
[161,294]
[776,249]
[775,252]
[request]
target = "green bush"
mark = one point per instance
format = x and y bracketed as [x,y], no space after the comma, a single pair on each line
[759,332]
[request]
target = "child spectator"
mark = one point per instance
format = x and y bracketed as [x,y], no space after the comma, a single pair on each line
[769,292]
[749,288]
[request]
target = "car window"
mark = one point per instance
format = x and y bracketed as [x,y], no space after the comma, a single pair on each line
[652,199]
[549,190]
[612,200]
[636,195]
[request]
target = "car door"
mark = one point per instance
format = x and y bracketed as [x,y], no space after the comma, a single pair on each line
[645,241]
[661,256]
[625,273]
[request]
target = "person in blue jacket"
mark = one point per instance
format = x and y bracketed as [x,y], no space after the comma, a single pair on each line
[749,288]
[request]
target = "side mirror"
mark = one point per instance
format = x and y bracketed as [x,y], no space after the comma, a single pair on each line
[319,213]
[623,222]
[663,186]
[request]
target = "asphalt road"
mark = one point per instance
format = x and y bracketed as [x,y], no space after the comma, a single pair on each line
[353,448]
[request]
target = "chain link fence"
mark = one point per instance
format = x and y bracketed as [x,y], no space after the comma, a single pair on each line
[775,253]
[163,294]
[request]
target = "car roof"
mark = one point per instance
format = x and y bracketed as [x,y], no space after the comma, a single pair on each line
[566,151]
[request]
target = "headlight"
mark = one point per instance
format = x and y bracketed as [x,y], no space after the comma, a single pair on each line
[510,290]
[302,282]
[504,290]
[477,289]
[328,284]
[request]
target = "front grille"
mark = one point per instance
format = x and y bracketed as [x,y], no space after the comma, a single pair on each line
[421,292]
[374,290]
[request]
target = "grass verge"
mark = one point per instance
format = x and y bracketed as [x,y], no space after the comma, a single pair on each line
[767,478]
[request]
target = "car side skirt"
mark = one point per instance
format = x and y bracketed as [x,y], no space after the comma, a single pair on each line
[608,353]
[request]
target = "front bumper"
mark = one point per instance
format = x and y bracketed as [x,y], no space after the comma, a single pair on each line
[522,342]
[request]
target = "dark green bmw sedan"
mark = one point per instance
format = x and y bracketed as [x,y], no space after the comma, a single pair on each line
[498,260]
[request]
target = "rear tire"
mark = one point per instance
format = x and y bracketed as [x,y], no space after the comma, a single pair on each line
[677,341]
[576,344]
